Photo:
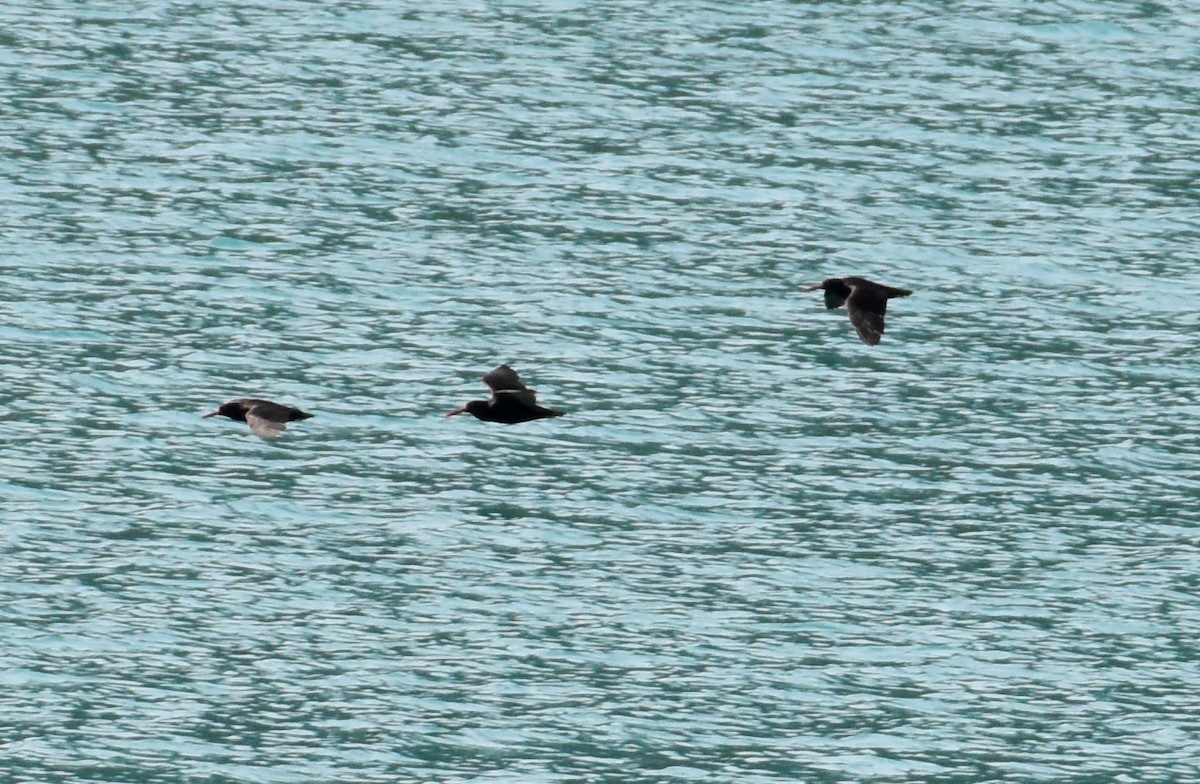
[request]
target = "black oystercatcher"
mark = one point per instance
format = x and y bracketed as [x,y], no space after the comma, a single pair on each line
[866,302]
[511,401]
[265,418]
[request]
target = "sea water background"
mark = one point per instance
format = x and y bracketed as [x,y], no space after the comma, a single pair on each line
[755,550]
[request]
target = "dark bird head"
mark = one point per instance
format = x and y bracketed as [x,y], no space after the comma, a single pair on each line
[234,410]
[839,287]
[476,408]
[836,290]
[827,283]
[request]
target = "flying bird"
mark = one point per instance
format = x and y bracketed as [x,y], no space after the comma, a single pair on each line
[865,301]
[511,401]
[265,418]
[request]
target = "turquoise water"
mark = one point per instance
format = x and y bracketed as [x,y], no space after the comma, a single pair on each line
[755,550]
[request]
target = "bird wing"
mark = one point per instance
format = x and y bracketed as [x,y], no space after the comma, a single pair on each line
[263,427]
[867,305]
[502,379]
[522,396]
[266,409]
[868,323]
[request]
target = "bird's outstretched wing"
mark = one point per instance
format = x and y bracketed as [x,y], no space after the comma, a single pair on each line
[868,323]
[522,396]
[507,388]
[264,428]
[502,379]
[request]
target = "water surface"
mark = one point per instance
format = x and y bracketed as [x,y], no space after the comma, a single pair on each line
[755,549]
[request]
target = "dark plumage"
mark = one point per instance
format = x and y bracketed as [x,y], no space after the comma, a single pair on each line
[511,401]
[865,301]
[265,418]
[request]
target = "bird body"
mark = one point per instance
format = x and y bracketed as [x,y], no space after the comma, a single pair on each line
[511,401]
[866,302]
[265,418]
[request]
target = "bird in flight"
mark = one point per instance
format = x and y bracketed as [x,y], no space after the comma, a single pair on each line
[511,401]
[865,301]
[265,418]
